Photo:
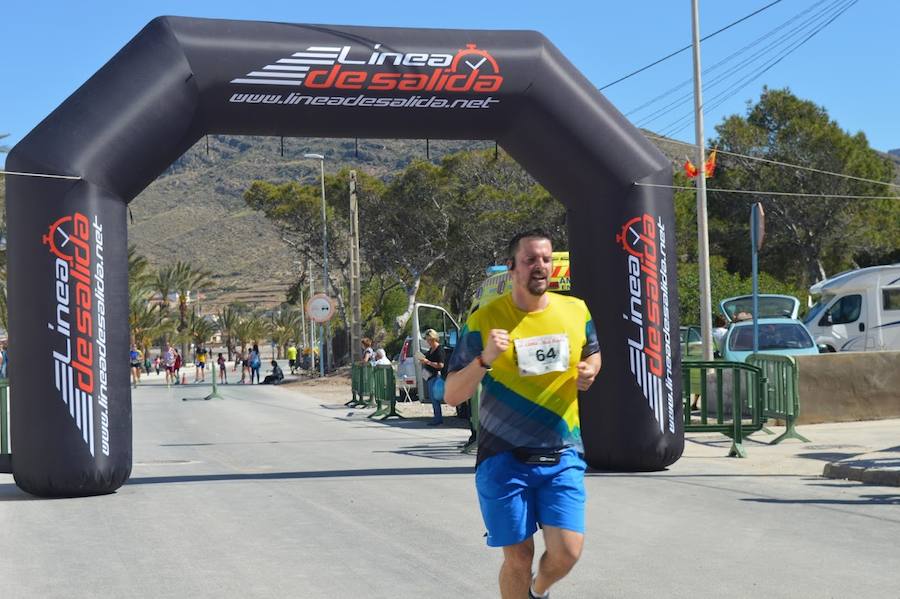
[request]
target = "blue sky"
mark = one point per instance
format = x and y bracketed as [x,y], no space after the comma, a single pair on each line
[49,48]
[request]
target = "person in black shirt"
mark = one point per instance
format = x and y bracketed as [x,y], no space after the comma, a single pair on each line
[433,363]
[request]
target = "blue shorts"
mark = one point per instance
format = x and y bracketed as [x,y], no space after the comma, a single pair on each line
[515,497]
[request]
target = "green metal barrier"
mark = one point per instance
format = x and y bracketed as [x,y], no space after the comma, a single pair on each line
[730,400]
[4,416]
[782,392]
[385,392]
[362,386]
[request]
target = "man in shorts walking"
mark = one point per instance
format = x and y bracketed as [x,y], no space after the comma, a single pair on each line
[532,351]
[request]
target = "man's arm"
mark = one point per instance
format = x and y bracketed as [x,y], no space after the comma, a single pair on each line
[461,384]
[587,371]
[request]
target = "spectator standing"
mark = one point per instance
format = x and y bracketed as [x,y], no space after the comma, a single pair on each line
[292,356]
[433,363]
[368,354]
[4,360]
[200,373]
[720,327]
[255,363]
[223,371]
[245,365]
[178,364]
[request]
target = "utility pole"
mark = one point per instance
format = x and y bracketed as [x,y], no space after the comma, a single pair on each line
[702,225]
[355,309]
[312,325]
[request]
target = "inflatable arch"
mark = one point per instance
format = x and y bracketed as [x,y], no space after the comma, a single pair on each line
[181,78]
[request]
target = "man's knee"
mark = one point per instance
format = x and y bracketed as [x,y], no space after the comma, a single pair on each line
[563,546]
[519,556]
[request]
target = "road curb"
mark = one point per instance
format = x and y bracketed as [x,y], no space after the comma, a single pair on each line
[873,469]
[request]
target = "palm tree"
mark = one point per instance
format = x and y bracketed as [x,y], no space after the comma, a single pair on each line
[147,322]
[182,279]
[201,328]
[140,279]
[228,320]
[284,326]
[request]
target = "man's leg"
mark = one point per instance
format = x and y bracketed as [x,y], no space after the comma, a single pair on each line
[563,548]
[515,573]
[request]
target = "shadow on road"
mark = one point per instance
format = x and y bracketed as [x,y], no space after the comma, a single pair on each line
[888,499]
[194,478]
[434,451]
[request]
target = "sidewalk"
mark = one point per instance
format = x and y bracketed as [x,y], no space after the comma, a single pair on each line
[867,451]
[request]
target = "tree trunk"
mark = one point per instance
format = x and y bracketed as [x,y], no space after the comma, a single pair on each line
[411,292]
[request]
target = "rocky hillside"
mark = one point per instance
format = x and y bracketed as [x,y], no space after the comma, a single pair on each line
[194,211]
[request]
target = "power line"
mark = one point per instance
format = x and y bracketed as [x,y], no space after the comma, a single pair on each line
[773,193]
[688,47]
[724,96]
[20,174]
[779,47]
[716,80]
[708,70]
[779,163]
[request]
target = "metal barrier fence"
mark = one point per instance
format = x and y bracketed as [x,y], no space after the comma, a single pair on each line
[385,392]
[782,392]
[4,416]
[362,385]
[737,393]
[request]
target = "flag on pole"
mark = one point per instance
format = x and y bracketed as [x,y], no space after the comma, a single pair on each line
[709,167]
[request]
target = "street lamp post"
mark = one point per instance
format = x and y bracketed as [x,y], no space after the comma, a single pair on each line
[321,160]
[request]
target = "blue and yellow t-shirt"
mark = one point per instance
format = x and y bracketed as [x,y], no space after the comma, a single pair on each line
[539,410]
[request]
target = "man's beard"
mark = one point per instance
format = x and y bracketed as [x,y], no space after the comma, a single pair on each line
[537,287]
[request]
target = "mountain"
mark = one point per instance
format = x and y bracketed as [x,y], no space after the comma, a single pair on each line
[195,210]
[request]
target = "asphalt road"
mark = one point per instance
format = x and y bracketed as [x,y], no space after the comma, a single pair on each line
[275,492]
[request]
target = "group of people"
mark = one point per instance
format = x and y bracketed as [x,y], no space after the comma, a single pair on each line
[371,356]
[171,362]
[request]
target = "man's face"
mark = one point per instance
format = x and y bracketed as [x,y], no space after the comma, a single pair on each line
[534,261]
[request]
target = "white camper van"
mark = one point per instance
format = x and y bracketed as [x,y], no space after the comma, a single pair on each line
[857,310]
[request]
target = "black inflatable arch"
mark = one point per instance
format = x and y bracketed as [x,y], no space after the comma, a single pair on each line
[181,78]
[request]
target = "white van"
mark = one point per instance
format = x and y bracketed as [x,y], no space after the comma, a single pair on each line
[857,310]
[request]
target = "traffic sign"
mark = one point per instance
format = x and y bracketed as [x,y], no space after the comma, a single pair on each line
[320,308]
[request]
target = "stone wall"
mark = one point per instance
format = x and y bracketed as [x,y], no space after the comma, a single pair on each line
[849,386]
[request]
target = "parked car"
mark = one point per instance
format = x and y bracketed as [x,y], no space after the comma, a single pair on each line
[780,336]
[857,310]
[691,342]
[771,305]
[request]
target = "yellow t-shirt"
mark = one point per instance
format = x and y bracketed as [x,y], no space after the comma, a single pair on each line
[532,408]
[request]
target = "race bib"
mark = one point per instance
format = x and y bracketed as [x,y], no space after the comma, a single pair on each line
[540,355]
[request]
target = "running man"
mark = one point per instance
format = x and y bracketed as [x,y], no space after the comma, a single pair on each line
[532,351]
[169,361]
[137,361]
